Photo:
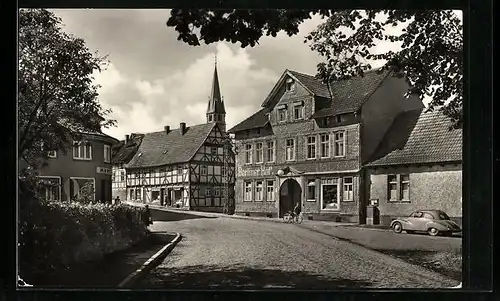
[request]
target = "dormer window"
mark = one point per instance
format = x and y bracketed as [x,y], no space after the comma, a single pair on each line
[338,118]
[298,110]
[282,113]
[209,118]
[290,85]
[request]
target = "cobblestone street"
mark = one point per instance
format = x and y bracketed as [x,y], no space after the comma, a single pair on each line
[232,253]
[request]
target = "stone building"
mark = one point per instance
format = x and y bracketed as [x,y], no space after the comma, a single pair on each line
[191,167]
[308,142]
[417,166]
[87,164]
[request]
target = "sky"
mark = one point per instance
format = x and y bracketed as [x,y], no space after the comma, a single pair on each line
[154,80]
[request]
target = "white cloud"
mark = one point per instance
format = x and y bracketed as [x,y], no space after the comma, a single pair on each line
[182,96]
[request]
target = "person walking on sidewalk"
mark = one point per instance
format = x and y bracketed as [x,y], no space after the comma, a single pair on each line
[146,217]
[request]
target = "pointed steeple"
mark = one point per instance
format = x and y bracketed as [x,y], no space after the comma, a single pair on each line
[215,103]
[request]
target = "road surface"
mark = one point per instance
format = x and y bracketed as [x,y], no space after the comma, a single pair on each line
[230,253]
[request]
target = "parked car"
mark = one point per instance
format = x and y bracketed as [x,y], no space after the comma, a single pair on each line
[433,222]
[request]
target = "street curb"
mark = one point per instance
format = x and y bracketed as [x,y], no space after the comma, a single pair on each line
[152,262]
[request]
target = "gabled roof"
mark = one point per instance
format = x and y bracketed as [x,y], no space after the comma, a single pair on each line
[305,80]
[257,120]
[160,148]
[350,94]
[122,153]
[417,137]
[312,83]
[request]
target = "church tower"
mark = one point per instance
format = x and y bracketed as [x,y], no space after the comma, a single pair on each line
[216,111]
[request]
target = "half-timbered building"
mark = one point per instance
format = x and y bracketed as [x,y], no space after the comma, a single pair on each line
[121,153]
[191,167]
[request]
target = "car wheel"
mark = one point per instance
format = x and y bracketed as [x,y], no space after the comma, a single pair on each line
[397,227]
[433,231]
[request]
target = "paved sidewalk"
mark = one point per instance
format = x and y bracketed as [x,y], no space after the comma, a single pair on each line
[109,271]
[257,218]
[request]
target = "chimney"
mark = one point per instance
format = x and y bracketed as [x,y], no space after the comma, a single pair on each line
[127,139]
[167,129]
[182,128]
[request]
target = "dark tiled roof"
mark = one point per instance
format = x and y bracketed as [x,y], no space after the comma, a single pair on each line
[258,119]
[349,95]
[121,153]
[312,83]
[158,148]
[417,137]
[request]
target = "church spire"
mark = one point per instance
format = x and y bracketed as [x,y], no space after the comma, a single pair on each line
[216,111]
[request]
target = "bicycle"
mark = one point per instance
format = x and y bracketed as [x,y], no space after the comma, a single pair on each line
[292,218]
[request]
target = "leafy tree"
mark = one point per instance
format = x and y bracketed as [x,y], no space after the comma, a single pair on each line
[57,99]
[430,58]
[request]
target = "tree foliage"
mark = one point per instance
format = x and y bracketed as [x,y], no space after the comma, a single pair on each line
[57,98]
[430,56]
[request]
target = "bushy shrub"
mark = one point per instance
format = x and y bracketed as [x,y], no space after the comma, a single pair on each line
[55,235]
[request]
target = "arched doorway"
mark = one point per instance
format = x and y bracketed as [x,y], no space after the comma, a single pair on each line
[290,194]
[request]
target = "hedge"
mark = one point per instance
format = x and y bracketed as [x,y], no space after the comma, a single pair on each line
[56,235]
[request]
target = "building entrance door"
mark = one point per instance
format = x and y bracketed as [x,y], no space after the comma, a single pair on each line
[290,194]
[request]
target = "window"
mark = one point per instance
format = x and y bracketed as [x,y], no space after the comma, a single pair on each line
[50,188]
[270,190]
[298,112]
[258,191]
[248,191]
[392,187]
[107,153]
[208,191]
[180,170]
[258,153]
[405,187]
[82,188]
[282,115]
[216,191]
[223,170]
[270,151]
[338,119]
[339,144]
[290,85]
[82,150]
[248,154]
[52,154]
[417,214]
[132,195]
[138,194]
[122,175]
[428,216]
[329,194]
[290,150]
[209,118]
[204,169]
[311,147]
[325,146]
[311,190]
[348,190]
[213,150]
